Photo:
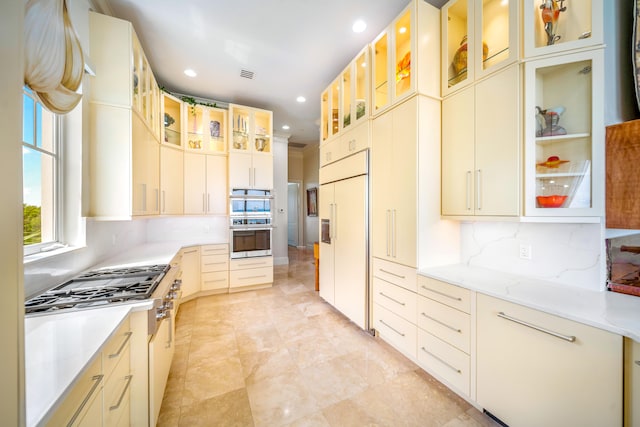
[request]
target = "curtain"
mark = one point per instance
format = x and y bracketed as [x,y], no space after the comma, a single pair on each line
[54,63]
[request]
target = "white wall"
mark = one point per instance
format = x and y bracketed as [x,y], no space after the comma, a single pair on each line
[280,167]
[311,166]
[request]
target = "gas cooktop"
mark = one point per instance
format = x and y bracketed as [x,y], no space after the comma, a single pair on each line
[99,287]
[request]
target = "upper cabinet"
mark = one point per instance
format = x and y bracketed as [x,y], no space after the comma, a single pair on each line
[172,121]
[564,135]
[479,37]
[402,57]
[145,98]
[554,26]
[205,128]
[346,101]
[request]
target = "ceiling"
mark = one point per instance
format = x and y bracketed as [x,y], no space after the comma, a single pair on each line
[292,47]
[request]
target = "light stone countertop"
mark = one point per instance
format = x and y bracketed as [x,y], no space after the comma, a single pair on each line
[610,311]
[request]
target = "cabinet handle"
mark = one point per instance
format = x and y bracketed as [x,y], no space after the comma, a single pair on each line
[170,326]
[215,263]
[251,263]
[388,230]
[479,189]
[393,233]
[335,220]
[127,336]
[97,379]
[441,293]
[203,203]
[442,323]
[252,277]
[157,199]
[568,338]
[144,197]
[393,274]
[468,190]
[392,328]
[208,202]
[453,368]
[214,281]
[190,251]
[392,299]
[254,177]
[164,201]
[124,391]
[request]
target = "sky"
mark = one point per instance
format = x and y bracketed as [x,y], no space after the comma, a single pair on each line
[31,159]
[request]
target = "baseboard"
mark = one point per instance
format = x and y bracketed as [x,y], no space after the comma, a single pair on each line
[281,260]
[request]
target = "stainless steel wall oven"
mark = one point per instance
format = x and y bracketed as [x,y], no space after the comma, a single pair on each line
[250,231]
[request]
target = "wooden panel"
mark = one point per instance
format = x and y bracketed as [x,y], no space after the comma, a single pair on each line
[623,175]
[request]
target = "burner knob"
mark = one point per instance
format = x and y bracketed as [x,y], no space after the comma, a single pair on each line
[172,295]
[161,314]
[177,284]
[168,305]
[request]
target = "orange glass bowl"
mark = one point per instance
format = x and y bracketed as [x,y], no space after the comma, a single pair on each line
[551,201]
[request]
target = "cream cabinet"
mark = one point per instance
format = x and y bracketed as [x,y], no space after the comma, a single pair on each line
[250,273]
[205,128]
[345,103]
[205,184]
[405,57]
[116,365]
[351,141]
[631,383]
[171,180]
[445,333]
[190,267]
[250,150]
[394,183]
[124,124]
[214,268]
[564,135]
[481,147]
[478,38]
[172,121]
[578,25]
[536,369]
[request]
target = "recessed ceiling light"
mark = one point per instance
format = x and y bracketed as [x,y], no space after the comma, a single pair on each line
[301,99]
[359,26]
[285,127]
[189,72]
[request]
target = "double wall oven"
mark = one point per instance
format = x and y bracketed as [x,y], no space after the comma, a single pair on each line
[250,228]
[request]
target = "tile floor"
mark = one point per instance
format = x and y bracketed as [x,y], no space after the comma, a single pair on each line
[284,357]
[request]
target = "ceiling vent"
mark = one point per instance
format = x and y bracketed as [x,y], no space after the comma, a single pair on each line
[246,74]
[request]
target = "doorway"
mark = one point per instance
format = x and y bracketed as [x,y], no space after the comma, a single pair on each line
[294,234]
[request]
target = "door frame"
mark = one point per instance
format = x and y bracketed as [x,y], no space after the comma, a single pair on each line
[301,208]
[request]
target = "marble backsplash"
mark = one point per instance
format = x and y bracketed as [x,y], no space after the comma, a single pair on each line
[568,254]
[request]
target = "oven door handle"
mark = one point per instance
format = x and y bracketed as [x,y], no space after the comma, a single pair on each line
[245,228]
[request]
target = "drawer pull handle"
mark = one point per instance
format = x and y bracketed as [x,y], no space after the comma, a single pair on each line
[252,263]
[392,328]
[392,299]
[440,293]
[190,252]
[215,280]
[393,274]
[568,338]
[442,323]
[215,263]
[124,343]
[97,380]
[453,368]
[126,387]
[252,277]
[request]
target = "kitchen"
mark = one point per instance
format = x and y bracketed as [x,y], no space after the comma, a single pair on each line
[489,244]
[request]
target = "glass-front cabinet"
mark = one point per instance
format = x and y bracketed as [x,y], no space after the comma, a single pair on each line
[478,37]
[205,128]
[251,129]
[552,26]
[564,135]
[172,121]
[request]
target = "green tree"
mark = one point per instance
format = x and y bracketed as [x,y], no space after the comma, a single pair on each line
[31,224]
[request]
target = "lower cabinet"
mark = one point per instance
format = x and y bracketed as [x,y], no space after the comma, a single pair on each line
[214,268]
[535,369]
[250,272]
[632,383]
[190,266]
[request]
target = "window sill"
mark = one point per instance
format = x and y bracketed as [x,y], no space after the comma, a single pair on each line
[44,255]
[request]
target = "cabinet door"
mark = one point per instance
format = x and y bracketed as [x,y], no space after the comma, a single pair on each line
[529,377]
[350,248]
[152,154]
[457,52]
[497,142]
[381,184]
[262,171]
[496,35]
[325,211]
[632,383]
[195,171]
[404,190]
[139,170]
[190,266]
[216,185]
[240,170]
[171,181]
[458,115]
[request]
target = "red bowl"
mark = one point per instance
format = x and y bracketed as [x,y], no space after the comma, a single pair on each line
[551,201]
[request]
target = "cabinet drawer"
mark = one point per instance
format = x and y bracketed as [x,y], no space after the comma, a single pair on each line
[219,249]
[356,139]
[215,280]
[448,324]
[240,264]
[395,273]
[211,263]
[451,295]
[396,299]
[116,348]
[397,331]
[117,391]
[250,277]
[445,361]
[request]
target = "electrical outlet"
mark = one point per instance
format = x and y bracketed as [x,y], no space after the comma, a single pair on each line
[525,251]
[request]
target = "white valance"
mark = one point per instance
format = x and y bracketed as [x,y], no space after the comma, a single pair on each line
[54,63]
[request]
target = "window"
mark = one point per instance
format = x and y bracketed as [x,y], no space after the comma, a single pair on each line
[40,163]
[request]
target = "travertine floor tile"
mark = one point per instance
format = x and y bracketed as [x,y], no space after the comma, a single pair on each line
[228,410]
